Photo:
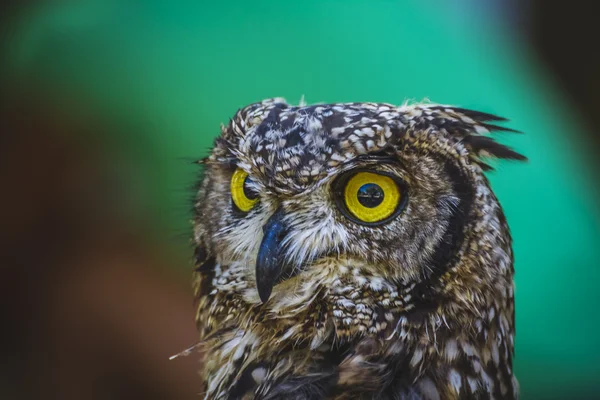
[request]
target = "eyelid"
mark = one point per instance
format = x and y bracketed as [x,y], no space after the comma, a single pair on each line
[373,163]
[252,182]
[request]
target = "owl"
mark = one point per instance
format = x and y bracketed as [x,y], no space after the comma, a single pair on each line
[354,251]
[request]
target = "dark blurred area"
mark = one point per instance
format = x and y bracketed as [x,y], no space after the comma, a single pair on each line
[565,37]
[94,287]
[92,303]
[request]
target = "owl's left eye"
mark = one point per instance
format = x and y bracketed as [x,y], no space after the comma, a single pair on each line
[370,197]
[243,194]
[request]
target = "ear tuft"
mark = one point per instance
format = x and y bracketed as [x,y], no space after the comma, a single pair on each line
[484,146]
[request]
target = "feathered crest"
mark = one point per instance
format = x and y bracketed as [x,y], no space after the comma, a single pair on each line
[353,129]
[471,126]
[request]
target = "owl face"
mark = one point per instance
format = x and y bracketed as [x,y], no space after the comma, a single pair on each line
[290,191]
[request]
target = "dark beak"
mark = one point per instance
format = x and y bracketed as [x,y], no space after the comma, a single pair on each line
[270,266]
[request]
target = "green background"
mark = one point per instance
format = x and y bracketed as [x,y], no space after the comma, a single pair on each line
[175,71]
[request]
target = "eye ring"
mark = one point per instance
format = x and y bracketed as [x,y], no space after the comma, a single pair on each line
[243,196]
[368,197]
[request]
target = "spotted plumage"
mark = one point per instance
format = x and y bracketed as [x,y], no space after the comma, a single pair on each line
[296,300]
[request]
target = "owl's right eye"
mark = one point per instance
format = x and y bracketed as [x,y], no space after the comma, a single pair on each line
[243,194]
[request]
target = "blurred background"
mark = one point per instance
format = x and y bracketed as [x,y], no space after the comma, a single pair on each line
[105,104]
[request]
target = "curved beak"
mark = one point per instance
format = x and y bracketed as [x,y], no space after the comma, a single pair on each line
[270,261]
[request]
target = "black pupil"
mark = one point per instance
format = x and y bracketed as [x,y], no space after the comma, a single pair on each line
[370,195]
[249,192]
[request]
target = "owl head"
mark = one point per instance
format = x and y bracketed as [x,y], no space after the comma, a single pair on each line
[296,196]
[354,249]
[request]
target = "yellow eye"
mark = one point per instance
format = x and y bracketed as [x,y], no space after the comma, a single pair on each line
[243,194]
[371,198]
